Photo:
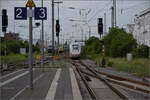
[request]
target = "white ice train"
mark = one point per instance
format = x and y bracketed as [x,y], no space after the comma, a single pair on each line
[75,50]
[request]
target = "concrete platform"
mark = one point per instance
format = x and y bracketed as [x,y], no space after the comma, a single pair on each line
[52,84]
[41,87]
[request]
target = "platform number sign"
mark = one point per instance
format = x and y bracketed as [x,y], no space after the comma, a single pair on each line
[40,13]
[20,13]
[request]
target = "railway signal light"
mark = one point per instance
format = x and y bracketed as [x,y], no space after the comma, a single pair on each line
[57,28]
[100,26]
[3,29]
[4,20]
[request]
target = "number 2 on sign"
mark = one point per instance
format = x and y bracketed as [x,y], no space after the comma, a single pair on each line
[19,10]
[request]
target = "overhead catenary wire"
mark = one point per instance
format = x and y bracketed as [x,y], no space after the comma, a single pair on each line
[134,6]
[106,5]
[74,0]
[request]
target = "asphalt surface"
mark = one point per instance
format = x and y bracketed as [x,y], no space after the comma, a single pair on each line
[11,75]
[10,89]
[41,87]
[18,89]
[9,71]
[15,85]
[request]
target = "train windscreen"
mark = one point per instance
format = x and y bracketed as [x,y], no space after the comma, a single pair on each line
[75,46]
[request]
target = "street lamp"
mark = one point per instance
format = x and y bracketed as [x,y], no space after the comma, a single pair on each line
[71,7]
[77,20]
[37,24]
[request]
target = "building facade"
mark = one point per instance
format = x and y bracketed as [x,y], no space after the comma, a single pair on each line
[12,36]
[130,28]
[142,27]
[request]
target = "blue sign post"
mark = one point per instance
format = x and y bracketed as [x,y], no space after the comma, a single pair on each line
[40,13]
[20,13]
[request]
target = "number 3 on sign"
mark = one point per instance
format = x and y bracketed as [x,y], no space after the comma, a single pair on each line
[40,13]
[20,13]
[42,10]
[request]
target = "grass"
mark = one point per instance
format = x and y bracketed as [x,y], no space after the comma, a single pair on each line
[13,58]
[58,64]
[138,66]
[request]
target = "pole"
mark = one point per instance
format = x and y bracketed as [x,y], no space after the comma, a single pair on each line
[82,35]
[5,51]
[46,39]
[53,29]
[114,11]
[104,23]
[112,17]
[5,46]
[115,15]
[58,19]
[42,63]
[89,31]
[30,51]
[53,53]
[58,11]
[58,40]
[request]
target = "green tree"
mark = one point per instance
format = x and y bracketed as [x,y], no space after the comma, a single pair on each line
[108,39]
[26,45]
[122,44]
[92,46]
[12,46]
[35,48]
[118,43]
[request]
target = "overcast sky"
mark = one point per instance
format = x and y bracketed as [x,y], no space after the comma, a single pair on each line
[126,10]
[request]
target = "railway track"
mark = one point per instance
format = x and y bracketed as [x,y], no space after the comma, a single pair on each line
[89,88]
[109,79]
[122,81]
[97,93]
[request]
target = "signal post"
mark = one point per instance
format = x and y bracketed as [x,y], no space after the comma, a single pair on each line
[4,29]
[100,31]
[30,4]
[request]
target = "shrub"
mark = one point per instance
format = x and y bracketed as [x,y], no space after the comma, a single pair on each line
[14,47]
[26,55]
[141,51]
[110,63]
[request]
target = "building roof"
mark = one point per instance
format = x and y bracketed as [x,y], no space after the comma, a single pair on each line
[146,11]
